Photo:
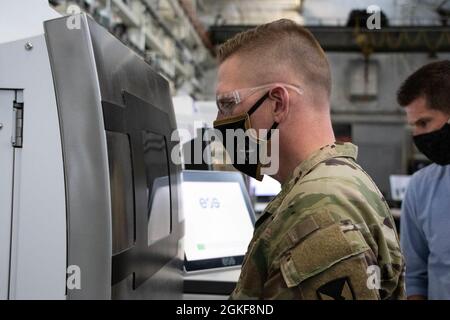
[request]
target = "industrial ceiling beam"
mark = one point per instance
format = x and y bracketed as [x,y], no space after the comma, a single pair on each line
[429,39]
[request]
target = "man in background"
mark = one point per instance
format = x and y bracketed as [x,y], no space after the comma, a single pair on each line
[425,218]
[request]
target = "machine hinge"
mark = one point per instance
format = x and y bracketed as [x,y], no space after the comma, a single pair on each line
[17,137]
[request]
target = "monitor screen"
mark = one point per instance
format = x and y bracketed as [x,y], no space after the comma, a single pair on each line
[219,219]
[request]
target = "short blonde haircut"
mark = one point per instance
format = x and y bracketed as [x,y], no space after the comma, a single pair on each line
[283,41]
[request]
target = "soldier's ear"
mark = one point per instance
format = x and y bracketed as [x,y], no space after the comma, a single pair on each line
[280,109]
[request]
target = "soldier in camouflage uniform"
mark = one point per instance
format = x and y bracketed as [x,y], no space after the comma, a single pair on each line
[329,234]
[318,237]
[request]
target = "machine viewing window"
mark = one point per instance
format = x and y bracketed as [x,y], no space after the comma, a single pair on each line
[146,130]
[158,186]
[122,199]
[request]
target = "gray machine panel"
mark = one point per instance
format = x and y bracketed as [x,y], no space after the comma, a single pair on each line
[6,186]
[37,219]
[85,156]
[102,87]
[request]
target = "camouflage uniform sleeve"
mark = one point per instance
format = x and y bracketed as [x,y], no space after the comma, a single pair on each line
[253,271]
[325,260]
[331,237]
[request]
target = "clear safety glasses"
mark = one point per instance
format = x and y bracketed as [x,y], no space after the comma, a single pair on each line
[227,101]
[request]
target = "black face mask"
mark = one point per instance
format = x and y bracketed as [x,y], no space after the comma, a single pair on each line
[241,157]
[435,145]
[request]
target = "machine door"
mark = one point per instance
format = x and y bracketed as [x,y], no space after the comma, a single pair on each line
[7,114]
[142,207]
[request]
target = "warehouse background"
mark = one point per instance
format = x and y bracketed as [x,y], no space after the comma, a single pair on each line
[179,38]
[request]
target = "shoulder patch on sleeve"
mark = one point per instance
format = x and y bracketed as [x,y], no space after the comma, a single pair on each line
[339,289]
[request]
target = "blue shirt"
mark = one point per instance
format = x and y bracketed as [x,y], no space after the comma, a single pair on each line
[425,233]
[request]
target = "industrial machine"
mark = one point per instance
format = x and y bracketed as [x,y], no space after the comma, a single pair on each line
[88,194]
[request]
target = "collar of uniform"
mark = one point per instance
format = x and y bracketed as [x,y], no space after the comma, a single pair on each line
[337,149]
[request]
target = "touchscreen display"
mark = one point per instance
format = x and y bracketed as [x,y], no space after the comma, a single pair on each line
[218,223]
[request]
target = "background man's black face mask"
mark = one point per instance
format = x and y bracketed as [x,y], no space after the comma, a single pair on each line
[242,122]
[435,145]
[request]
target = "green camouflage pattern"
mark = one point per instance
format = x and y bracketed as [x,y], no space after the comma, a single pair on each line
[321,233]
